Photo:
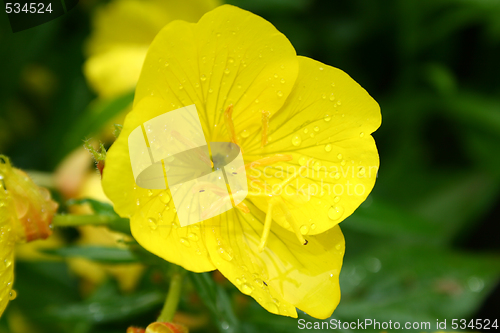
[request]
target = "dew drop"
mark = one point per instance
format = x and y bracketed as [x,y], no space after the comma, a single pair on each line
[282,80]
[246,289]
[335,212]
[12,294]
[327,118]
[185,242]
[150,193]
[339,156]
[193,236]
[165,198]
[338,103]
[227,71]
[337,175]
[226,255]
[302,160]
[361,134]
[338,246]
[245,133]
[296,141]
[198,252]
[332,98]
[203,77]
[238,281]
[313,226]
[336,199]
[275,301]
[210,90]
[153,223]
[306,130]
[256,101]
[343,162]
[316,129]
[259,282]
[271,307]
[304,229]
[279,93]
[180,86]
[328,147]
[317,165]
[138,202]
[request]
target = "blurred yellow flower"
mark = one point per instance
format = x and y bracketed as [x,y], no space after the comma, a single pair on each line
[26,212]
[122,32]
[304,130]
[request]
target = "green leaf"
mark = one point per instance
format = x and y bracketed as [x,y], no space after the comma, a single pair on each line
[108,255]
[217,301]
[113,308]
[98,114]
[104,209]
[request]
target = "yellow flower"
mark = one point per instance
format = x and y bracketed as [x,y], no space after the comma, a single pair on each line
[26,212]
[304,131]
[122,32]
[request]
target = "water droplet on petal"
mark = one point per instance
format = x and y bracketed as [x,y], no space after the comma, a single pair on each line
[328,147]
[335,212]
[336,199]
[203,77]
[313,226]
[12,294]
[332,98]
[339,156]
[279,93]
[302,160]
[245,133]
[316,129]
[153,223]
[193,236]
[304,229]
[296,141]
[338,246]
[226,255]
[361,134]
[282,81]
[259,282]
[185,242]
[271,307]
[327,118]
[275,301]
[165,198]
[227,71]
[150,193]
[306,130]
[246,289]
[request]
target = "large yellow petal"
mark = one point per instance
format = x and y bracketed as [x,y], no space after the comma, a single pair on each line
[286,274]
[7,243]
[133,22]
[153,219]
[325,125]
[115,71]
[230,56]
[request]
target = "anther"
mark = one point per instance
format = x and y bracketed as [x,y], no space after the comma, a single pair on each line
[228,119]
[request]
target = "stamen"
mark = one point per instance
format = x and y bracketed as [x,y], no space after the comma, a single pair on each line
[289,179]
[291,221]
[228,119]
[265,127]
[267,226]
[243,208]
[268,160]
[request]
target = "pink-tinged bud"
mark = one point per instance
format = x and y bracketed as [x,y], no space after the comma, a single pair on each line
[33,205]
[166,328]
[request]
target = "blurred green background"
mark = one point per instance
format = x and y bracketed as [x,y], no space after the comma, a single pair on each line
[425,244]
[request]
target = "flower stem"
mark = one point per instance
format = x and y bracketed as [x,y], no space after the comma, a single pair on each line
[173,297]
